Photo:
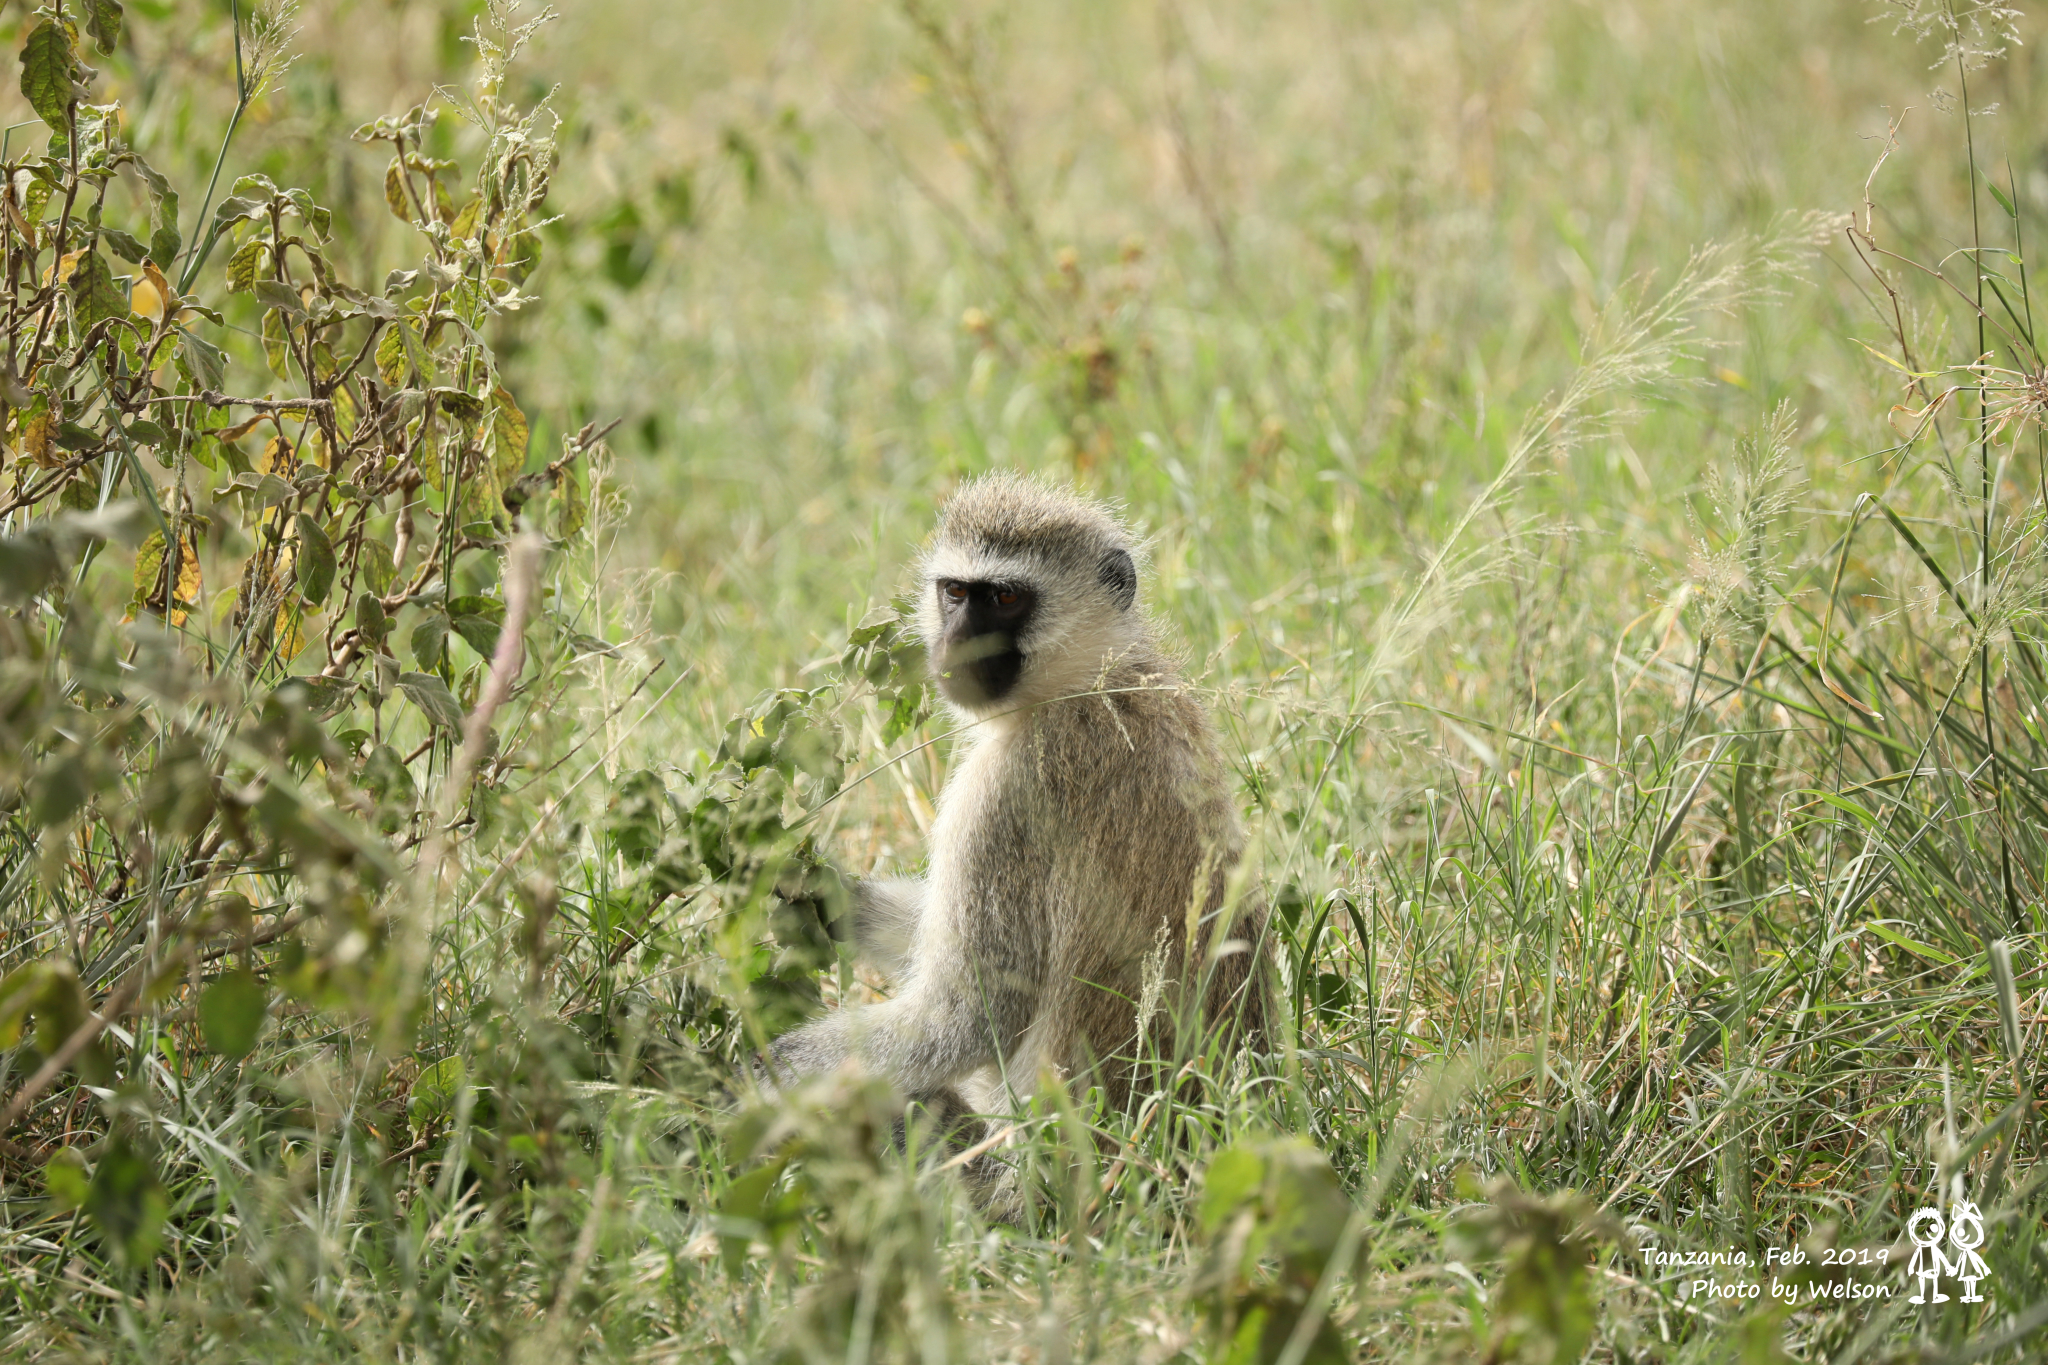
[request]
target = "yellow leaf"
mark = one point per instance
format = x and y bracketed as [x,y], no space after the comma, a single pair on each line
[68,265]
[394,192]
[290,637]
[145,302]
[186,598]
[149,578]
[276,457]
[149,566]
[152,294]
[16,219]
[344,411]
[239,429]
[1911,374]
[39,439]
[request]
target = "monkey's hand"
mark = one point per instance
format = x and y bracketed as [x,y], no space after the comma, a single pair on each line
[813,903]
[879,914]
[923,1040]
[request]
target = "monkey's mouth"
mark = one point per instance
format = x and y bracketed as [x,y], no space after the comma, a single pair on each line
[982,669]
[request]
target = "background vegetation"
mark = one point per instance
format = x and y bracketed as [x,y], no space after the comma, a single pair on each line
[1604,513]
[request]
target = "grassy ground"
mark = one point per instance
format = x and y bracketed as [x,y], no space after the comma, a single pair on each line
[1626,638]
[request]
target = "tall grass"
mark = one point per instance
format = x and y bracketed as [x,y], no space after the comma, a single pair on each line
[1628,647]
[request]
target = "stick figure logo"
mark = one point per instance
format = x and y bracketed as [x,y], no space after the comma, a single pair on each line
[1925,1228]
[1965,1229]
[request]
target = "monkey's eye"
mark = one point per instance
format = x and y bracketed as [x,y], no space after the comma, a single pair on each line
[1006,598]
[956,592]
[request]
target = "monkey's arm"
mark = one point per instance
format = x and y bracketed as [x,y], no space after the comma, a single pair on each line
[885,916]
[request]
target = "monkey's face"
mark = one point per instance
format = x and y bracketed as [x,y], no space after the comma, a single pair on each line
[979,652]
[1030,593]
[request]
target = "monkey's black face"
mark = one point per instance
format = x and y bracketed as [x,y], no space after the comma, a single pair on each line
[978,658]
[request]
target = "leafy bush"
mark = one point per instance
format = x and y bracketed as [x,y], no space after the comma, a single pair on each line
[261,625]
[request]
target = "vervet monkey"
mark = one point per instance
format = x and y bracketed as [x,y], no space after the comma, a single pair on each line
[1079,859]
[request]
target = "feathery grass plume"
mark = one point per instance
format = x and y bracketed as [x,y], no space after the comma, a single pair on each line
[268,56]
[1639,340]
[1736,570]
[1974,32]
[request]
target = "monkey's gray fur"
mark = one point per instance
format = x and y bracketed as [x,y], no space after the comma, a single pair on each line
[1079,860]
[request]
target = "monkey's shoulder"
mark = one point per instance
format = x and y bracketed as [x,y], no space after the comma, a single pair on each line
[1107,760]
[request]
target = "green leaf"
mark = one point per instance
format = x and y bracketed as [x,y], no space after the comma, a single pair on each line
[315,217]
[81,494]
[391,355]
[433,698]
[164,242]
[268,490]
[124,245]
[47,71]
[28,564]
[751,1210]
[399,348]
[508,437]
[236,208]
[413,338]
[371,619]
[97,292]
[21,990]
[2003,202]
[203,362]
[386,778]
[464,407]
[634,815]
[276,350]
[435,1091]
[375,568]
[164,239]
[231,1012]
[906,713]
[1233,1177]
[477,620]
[429,460]
[572,504]
[279,295]
[482,499]
[65,1177]
[476,604]
[128,1202]
[325,696]
[73,436]
[103,22]
[243,265]
[429,640]
[314,561]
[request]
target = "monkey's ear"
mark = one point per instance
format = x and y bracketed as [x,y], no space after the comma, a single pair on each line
[1120,576]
